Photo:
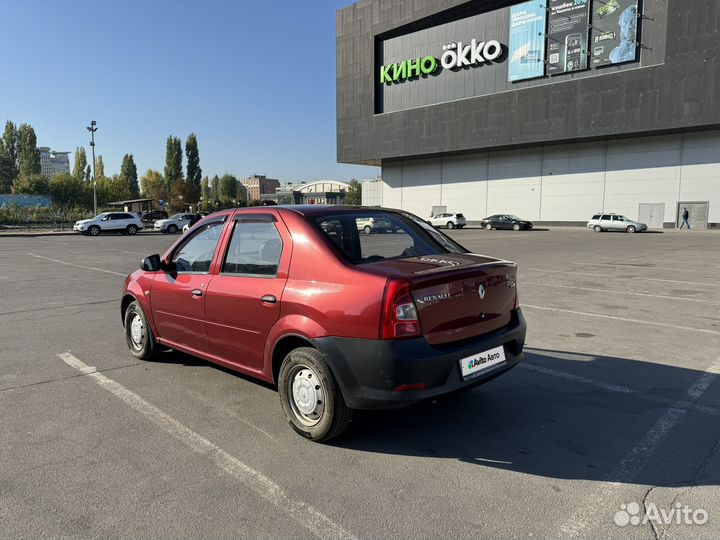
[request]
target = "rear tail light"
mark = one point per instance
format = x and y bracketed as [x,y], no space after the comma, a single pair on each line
[399,318]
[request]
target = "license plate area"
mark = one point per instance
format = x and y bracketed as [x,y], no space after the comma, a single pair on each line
[480,363]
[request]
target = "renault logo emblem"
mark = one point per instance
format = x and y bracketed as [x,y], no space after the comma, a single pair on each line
[481,291]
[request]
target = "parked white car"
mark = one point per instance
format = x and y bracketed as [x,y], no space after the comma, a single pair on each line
[124,222]
[615,222]
[174,223]
[375,225]
[451,221]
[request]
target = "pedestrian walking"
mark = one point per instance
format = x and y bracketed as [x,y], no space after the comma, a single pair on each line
[685,216]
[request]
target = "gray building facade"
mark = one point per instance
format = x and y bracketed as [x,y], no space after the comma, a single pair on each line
[621,107]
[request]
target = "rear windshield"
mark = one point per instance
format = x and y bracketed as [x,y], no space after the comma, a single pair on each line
[402,236]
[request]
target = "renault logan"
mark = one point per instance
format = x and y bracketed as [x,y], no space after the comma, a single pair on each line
[339,320]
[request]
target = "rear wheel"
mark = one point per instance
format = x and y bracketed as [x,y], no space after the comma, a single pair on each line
[131,230]
[172,229]
[139,336]
[450,225]
[631,229]
[310,396]
[488,226]
[367,229]
[93,230]
[597,228]
[516,226]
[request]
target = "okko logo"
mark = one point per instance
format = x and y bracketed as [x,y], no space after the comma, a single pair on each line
[680,514]
[455,55]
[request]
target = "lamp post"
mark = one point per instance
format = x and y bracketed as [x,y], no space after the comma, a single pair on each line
[92,128]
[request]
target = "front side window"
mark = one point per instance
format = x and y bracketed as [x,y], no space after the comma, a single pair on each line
[197,253]
[255,249]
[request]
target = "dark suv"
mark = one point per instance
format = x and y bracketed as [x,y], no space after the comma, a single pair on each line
[339,320]
[154,215]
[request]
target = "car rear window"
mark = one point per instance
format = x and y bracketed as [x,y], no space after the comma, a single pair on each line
[404,236]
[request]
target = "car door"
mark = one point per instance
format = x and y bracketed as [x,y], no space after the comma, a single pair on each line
[177,296]
[243,299]
[617,223]
[501,222]
[122,221]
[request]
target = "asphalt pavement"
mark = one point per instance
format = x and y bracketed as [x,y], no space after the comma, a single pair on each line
[616,404]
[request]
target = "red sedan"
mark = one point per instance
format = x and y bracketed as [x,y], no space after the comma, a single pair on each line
[338,320]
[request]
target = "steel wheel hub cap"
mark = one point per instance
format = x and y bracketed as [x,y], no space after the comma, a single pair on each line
[137,330]
[307,396]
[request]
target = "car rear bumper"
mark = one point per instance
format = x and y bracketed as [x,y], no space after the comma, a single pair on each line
[370,371]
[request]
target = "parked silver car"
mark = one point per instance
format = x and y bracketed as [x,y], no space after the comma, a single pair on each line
[615,222]
[124,222]
[174,223]
[449,220]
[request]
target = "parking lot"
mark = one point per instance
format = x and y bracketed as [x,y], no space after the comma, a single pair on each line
[616,402]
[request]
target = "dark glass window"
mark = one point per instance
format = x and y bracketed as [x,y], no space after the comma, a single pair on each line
[254,250]
[196,254]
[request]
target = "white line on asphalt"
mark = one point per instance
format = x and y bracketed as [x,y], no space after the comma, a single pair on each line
[713,411]
[78,265]
[667,297]
[314,521]
[558,272]
[704,284]
[623,319]
[635,460]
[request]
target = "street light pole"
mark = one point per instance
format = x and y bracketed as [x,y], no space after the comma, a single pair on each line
[92,128]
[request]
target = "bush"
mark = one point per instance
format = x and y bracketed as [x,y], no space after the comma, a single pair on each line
[21,215]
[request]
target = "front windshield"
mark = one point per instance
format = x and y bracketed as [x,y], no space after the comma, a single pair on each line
[176,216]
[514,217]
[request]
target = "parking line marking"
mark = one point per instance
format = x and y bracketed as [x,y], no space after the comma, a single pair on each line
[316,522]
[684,282]
[636,458]
[623,319]
[558,272]
[621,292]
[713,411]
[78,265]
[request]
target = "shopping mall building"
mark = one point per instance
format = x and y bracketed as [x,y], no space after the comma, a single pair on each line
[553,110]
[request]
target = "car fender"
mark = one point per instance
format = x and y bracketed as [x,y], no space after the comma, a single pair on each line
[292,325]
[134,288]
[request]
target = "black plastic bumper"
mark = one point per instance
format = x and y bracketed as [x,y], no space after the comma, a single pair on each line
[369,371]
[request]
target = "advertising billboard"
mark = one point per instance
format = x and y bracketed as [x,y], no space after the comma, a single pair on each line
[614,34]
[568,35]
[526,46]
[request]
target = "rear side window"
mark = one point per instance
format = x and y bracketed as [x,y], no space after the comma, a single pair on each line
[197,253]
[605,217]
[254,250]
[596,216]
[405,236]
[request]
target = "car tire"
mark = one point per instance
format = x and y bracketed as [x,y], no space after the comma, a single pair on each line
[597,228]
[450,225]
[516,226]
[138,334]
[93,230]
[131,230]
[367,229]
[172,229]
[488,226]
[310,396]
[631,229]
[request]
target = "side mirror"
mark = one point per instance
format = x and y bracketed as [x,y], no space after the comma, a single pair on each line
[151,263]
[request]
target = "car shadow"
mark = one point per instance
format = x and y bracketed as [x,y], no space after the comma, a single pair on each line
[544,418]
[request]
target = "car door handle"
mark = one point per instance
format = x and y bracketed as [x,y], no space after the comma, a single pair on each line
[196,293]
[268,299]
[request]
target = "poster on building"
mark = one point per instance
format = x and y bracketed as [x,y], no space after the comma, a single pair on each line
[614,34]
[527,40]
[569,24]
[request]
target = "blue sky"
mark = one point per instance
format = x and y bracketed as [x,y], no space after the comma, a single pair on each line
[255,80]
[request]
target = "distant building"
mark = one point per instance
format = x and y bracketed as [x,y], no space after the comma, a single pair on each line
[52,162]
[259,184]
[320,192]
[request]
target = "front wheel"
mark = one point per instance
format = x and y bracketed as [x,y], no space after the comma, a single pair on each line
[631,229]
[488,226]
[450,225]
[310,396]
[139,335]
[516,226]
[94,230]
[597,228]
[131,230]
[367,229]
[172,229]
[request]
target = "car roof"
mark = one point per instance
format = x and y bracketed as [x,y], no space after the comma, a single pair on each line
[318,209]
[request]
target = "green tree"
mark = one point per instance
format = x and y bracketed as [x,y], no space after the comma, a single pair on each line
[112,189]
[173,161]
[227,188]
[99,168]
[88,173]
[67,190]
[28,154]
[183,193]
[128,172]
[354,193]
[153,185]
[194,172]
[80,163]
[8,157]
[34,184]
[215,188]
[205,188]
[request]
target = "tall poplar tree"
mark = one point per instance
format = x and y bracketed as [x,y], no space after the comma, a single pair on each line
[99,168]
[8,157]
[194,172]
[173,161]
[28,155]
[80,163]
[129,175]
